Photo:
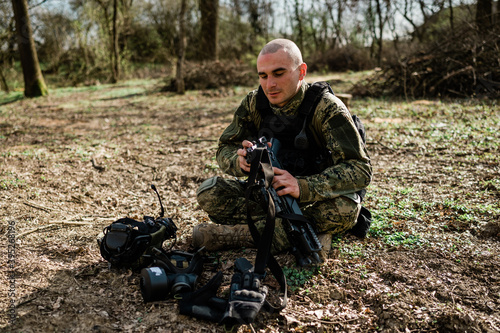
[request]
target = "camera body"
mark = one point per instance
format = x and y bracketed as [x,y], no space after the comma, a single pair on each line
[252,151]
[171,274]
[157,285]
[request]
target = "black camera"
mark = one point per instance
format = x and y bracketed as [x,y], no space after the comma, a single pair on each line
[157,285]
[172,274]
[252,151]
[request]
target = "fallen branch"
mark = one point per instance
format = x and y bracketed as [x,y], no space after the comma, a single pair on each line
[51,224]
[26,302]
[38,206]
[328,322]
[70,223]
[452,74]
[34,230]
[194,141]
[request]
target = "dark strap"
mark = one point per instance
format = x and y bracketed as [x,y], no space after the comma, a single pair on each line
[313,96]
[164,260]
[262,162]
[264,257]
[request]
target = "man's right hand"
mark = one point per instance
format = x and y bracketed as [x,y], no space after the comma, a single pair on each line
[242,155]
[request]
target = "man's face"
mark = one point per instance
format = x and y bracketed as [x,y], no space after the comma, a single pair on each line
[279,77]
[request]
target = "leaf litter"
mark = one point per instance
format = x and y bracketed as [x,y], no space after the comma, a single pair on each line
[74,162]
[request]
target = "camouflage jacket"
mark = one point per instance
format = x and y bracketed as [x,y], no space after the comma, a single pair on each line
[332,126]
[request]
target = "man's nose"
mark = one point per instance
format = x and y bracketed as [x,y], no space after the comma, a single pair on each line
[271,83]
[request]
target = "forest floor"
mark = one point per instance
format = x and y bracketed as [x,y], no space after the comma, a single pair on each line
[75,161]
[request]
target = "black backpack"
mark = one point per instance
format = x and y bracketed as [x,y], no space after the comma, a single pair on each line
[128,243]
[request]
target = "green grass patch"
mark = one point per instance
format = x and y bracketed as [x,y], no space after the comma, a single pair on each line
[11,97]
[403,239]
[9,181]
[297,277]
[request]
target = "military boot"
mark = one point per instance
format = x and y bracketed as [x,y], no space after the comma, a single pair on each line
[326,242]
[326,246]
[218,236]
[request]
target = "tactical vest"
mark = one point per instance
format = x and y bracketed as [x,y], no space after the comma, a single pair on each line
[300,154]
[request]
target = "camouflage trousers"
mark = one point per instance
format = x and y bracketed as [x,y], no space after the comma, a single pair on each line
[225,203]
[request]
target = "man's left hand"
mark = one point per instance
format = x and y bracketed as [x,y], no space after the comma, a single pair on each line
[284,183]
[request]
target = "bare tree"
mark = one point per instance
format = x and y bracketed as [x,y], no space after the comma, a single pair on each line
[209,28]
[452,24]
[112,28]
[382,19]
[337,21]
[3,81]
[5,36]
[300,28]
[259,13]
[484,15]
[115,57]
[179,77]
[419,17]
[34,84]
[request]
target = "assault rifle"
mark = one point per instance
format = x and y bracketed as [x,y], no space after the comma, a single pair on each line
[305,244]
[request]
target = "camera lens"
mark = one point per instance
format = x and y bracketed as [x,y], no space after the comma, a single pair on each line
[154,284]
[183,283]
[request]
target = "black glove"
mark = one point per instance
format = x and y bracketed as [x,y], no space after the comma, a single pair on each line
[247,296]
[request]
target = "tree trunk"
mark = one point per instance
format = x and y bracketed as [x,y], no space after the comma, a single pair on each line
[179,77]
[115,61]
[484,15]
[34,85]
[209,29]
[254,15]
[11,42]
[381,23]
[452,25]
[300,29]
[337,22]
[372,28]
[3,82]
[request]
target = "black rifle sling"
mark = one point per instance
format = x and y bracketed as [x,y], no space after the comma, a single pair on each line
[264,257]
[262,162]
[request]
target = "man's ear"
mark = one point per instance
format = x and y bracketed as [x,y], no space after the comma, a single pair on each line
[303,71]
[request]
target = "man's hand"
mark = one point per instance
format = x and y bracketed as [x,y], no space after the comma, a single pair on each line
[284,183]
[242,155]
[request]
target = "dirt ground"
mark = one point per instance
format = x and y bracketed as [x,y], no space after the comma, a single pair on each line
[75,161]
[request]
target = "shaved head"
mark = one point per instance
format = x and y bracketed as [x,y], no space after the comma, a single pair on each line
[291,49]
[281,71]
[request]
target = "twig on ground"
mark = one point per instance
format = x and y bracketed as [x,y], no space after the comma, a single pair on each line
[38,206]
[34,230]
[70,223]
[26,302]
[97,166]
[194,141]
[312,318]
[51,224]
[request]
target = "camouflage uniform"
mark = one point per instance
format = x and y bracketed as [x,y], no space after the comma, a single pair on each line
[329,198]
